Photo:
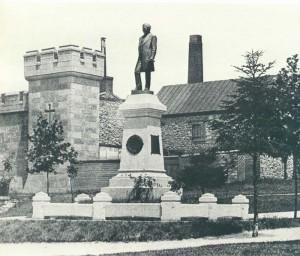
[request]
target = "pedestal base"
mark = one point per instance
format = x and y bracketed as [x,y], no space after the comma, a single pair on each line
[121,185]
[142,151]
[141,92]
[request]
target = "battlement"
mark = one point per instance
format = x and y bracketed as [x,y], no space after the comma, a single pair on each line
[64,59]
[14,102]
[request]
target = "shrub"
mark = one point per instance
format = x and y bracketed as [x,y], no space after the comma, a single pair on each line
[207,170]
[4,185]
[7,176]
[142,189]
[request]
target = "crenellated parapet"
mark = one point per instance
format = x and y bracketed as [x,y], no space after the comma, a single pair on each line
[66,59]
[14,102]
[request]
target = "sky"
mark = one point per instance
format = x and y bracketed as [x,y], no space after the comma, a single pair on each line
[229,29]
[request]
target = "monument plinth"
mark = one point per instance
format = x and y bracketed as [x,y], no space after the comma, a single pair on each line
[142,151]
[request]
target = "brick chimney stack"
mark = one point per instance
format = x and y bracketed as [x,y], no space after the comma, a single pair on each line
[195,66]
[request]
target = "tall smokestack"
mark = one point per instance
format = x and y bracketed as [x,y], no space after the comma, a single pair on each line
[195,68]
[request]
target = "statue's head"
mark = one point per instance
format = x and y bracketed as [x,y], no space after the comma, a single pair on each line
[146,28]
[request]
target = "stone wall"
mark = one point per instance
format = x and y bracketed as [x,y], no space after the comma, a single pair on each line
[76,105]
[273,167]
[92,175]
[40,97]
[65,58]
[169,209]
[13,140]
[84,119]
[111,122]
[14,102]
[177,139]
[13,131]
[68,78]
[177,134]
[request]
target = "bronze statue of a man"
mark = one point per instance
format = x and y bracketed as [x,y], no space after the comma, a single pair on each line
[145,62]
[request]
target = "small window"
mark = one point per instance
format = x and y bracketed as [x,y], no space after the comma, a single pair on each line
[155,148]
[94,57]
[3,98]
[38,58]
[21,96]
[199,132]
[55,56]
[81,55]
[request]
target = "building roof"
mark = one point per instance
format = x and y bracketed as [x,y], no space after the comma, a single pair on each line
[109,96]
[197,97]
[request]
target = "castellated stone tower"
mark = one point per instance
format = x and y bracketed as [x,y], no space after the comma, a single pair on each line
[67,78]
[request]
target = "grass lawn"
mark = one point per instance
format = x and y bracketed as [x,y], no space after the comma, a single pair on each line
[251,249]
[16,231]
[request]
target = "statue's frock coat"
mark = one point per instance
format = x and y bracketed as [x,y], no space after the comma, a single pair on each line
[147,51]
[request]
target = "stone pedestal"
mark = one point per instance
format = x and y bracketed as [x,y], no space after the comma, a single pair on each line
[142,151]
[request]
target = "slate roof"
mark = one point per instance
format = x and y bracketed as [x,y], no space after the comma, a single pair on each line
[196,97]
[109,96]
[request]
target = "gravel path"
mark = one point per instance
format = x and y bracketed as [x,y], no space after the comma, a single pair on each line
[289,215]
[96,248]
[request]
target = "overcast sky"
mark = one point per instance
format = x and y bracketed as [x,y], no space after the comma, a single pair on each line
[228,31]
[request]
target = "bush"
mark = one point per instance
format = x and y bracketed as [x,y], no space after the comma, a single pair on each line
[4,185]
[6,177]
[142,190]
[207,170]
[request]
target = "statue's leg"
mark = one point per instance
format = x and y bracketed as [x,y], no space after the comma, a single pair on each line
[148,80]
[137,74]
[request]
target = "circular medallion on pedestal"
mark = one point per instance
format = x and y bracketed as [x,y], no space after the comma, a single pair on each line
[134,144]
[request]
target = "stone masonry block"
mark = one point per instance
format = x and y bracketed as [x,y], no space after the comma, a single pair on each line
[82,198]
[208,198]
[170,196]
[240,199]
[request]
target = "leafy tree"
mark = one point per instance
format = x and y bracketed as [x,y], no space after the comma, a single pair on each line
[287,109]
[280,148]
[47,147]
[72,169]
[245,123]
[206,171]
[6,175]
